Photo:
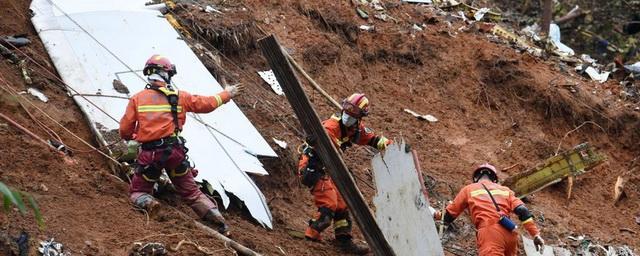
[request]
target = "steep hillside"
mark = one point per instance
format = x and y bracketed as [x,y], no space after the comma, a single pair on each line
[493,104]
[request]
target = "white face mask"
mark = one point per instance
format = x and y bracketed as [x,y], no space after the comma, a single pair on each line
[161,76]
[348,120]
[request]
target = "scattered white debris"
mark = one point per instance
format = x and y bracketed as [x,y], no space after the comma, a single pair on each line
[416,27]
[281,143]
[554,34]
[51,248]
[377,5]
[634,68]
[210,9]
[367,27]
[38,94]
[587,59]
[269,77]
[462,16]
[429,118]
[596,75]
[480,13]
[381,16]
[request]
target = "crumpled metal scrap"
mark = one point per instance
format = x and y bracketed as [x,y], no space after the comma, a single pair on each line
[148,249]
[52,248]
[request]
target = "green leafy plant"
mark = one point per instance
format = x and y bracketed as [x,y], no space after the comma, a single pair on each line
[12,197]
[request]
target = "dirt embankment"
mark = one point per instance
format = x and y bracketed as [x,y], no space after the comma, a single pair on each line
[493,105]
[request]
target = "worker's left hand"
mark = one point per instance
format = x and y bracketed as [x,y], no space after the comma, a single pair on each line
[538,242]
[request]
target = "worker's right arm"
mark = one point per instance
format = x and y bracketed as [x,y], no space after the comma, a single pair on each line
[458,205]
[203,104]
[525,216]
[128,121]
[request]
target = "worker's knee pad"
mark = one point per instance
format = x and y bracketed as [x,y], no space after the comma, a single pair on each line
[143,200]
[323,221]
[181,170]
[149,172]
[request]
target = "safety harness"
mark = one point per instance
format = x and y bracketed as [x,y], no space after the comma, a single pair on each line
[172,98]
[168,142]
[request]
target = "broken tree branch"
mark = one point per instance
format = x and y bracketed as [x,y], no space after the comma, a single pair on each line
[241,249]
[575,129]
[574,13]
[313,83]
[309,119]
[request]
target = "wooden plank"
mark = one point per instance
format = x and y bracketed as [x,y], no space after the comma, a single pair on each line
[325,148]
[411,230]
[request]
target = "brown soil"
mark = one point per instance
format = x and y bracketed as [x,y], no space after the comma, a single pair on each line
[493,104]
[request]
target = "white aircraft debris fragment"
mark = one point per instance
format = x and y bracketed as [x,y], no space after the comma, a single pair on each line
[269,77]
[402,208]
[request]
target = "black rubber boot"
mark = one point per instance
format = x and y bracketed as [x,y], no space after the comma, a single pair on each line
[346,245]
[214,216]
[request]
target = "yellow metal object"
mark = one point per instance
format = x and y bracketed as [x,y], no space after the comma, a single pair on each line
[570,163]
[170,4]
[177,25]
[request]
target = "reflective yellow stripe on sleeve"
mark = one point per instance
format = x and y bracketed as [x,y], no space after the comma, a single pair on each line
[157,108]
[218,100]
[495,192]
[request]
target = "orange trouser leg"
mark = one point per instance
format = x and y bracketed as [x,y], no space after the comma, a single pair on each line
[325,197]
[494,240]
[341,220]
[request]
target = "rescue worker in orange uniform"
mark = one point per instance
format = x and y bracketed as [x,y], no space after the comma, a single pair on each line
[490,206]
[154,117]
[344,129]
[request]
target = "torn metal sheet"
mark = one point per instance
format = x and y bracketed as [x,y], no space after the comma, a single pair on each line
[281,143]
[554,34]
[402,208]
[270,78]
[478,15]
[429,118]
[89,57]
[38,94]
[530,249]
[595,75]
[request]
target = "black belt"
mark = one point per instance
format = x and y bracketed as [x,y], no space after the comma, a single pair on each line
[162,143]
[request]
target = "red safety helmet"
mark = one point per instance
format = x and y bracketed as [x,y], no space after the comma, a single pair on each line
[356,105]
[485,169]
[158,62]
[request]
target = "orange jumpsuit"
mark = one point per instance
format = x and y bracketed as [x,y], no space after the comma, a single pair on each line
[148,119]
[492,238]
[326,197]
